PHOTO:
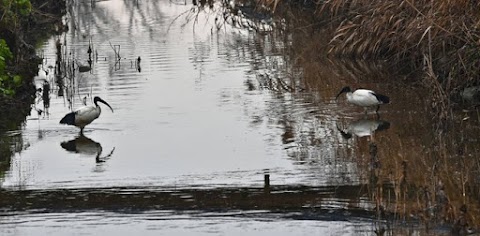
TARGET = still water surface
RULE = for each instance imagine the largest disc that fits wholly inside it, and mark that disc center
(197, 113)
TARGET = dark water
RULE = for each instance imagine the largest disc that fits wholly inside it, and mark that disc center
(213, 132)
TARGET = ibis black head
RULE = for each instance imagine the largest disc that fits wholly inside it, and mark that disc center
(344, 90)
(98, 99)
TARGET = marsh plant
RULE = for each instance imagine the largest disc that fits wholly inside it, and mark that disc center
(437, 39)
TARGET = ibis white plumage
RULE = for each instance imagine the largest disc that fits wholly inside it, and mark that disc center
(364, 98)
(84, 115)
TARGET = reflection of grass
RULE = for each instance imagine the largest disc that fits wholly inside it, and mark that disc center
(433, 180)
(8, 145)
(5, 154)
(419, 171)
(432, 174)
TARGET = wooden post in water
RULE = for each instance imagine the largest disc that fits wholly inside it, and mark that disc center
(266, 183)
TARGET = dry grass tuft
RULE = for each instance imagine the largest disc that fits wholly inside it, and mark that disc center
(439, 38)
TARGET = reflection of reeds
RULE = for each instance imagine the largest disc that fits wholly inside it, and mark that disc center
(10, 143)
(240, 14)
(418, 171)
(66, 66)
(438, 185)
(116, 49)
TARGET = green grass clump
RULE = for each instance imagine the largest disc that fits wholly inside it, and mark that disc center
(8, 82)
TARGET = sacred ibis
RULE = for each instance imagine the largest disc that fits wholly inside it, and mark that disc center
(84, 115)
(364, 98)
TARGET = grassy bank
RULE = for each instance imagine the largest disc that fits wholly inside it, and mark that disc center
(23, 23)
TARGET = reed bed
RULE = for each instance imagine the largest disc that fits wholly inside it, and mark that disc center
(423, 172)
(419, 172)
(440, 39)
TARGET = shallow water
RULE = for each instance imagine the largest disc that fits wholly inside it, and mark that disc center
(202, 117)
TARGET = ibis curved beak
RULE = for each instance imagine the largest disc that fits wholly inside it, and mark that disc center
(338, 95)
(344, 134)
(344, 90)
(103, 101)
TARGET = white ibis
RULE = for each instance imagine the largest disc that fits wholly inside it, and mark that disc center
(364, 98)
(84, 115)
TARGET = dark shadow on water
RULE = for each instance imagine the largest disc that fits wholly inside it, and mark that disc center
(86, 147)
(286, 202)
(317, 202)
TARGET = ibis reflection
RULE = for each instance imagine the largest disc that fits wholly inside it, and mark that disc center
(87, 147)
(363, 128)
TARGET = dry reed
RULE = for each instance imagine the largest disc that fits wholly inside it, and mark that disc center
(439, 38)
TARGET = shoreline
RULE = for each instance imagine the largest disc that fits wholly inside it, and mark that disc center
(44, 20)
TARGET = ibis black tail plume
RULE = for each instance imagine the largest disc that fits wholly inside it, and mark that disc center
(383, 125)
(68, 119)
(384, 99)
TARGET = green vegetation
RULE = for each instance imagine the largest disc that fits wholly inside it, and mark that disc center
(11, 13)
(5, 54)
(12, 10)
(8, 83)
(23, 23)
